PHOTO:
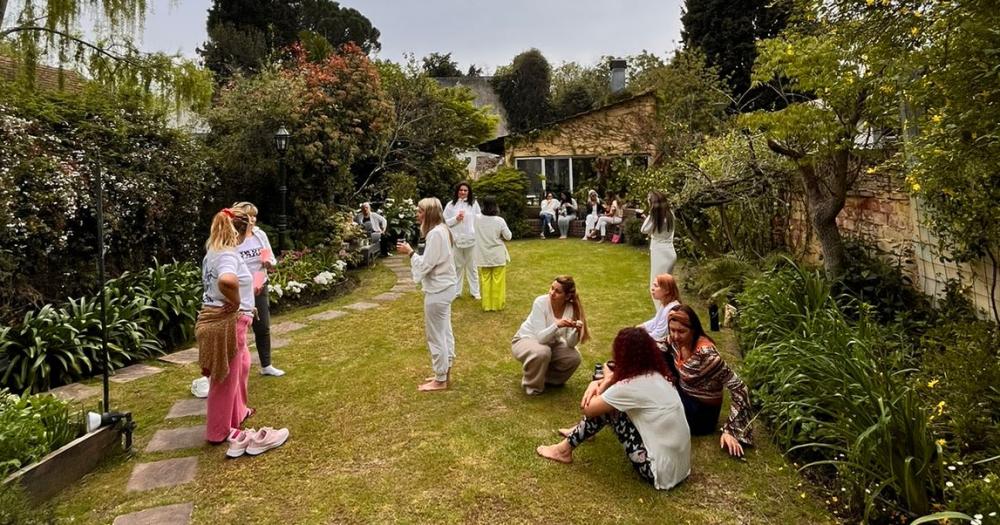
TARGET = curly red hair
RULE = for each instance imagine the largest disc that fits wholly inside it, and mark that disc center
(635, 354)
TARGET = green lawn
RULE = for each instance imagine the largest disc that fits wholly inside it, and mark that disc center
(366, 447)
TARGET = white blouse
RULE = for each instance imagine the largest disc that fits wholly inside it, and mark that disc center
(491, 232)
(550, 206)
(435, 269)
(658, 326)
(663, 236)
(541, 324)
(464, 230)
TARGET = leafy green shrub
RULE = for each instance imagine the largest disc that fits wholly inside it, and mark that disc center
(400, 217)
(31, 427)
(870, 278)
(633, 232)
(836, 393)
(722, 277)
(17, 509)
(510, 187)
(305, 276)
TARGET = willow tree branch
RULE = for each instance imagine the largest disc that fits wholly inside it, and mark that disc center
(97, 49)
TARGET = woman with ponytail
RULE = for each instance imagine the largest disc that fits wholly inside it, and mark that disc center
(221, 330)
(641, 404)
(546, 342)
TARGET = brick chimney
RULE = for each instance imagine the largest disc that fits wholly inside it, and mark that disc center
(618, 75)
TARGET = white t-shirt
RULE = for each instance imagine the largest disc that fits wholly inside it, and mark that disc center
(216, 264)
(435, 269)
(249, 251)
(464, 231)
(655, 408)
(541, 324)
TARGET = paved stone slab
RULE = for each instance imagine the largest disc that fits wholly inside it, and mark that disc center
(177, 438)
(279, 343)
(166, 473)
(179, 514)
(137, 371)
(184, 357)
(388, 296)
(285, 327)
(362, 306)
(328, 315)
(186, 408)
(75, 392)
(254, 358)
(402, 288)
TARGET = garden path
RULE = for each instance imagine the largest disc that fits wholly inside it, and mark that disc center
(366, 447)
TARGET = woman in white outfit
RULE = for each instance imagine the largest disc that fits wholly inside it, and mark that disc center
(435, 271)
(612, 215)
(460, 214)
(548, 209)
(567, 213)
(594, 212)
(659, 225)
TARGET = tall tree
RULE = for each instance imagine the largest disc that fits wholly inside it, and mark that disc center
(440, 65)
(577, 88)
(727, 32)
(524, 90)
(242, 34)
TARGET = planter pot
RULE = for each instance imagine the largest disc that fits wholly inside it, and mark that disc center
(65, 466)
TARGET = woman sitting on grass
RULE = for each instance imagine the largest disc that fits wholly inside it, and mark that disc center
(667, 297)
(703, 376)
(643, 408)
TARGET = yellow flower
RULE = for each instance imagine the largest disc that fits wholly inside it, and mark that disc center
(941, 442)
(914, 31)
(933, 383)
(870, 171)
(940, 406)
(936, 119)
(915, 187)
(789, 50)
(870, 2)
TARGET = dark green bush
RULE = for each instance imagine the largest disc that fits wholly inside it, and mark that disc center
(510, 187)
(17, 509)
(31, 427)
(875, 277)
(633, 232)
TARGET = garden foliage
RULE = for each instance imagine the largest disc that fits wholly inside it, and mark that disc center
(509, 186)
(31, 426)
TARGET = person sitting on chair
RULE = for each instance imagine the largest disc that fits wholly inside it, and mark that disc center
(373, 223)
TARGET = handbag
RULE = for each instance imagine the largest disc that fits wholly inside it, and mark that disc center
(616, 238)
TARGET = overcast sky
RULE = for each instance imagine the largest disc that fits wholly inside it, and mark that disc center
(487, 33)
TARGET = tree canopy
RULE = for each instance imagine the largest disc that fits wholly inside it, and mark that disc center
(440, 65)
(523, 88)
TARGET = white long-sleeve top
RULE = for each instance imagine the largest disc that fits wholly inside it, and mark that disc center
(658, 326)
(435, 269)
(549, 206)
(663, 236)
(491, 232)
(464, 230)
(541, 324)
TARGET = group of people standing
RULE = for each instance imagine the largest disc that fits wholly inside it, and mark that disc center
(664, 383)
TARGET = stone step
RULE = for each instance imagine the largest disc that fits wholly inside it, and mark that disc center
(328, 315)
(184, 357)
(136, 371)
(75, 392)
(178, 514)
(177, 438)
(187, 408)
(361, 305)
(286, 327)
(166, 473)
(387, 296)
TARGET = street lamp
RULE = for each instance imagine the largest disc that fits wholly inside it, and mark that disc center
(281, 140)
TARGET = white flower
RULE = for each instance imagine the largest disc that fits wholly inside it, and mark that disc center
(401, 215)
(949, 484)
(295, 287)
(323, 278)
(275, 289)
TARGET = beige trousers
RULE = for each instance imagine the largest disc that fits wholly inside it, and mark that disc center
(544, 364)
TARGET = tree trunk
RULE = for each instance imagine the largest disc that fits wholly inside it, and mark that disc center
(826, 198)
(3, 11)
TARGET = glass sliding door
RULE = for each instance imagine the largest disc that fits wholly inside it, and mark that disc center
(533, 169)
(557, 175)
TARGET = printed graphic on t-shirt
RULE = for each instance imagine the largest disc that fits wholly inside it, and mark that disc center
(252, 253)
(208, 276)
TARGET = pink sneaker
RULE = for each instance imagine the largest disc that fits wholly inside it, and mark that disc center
(239, 440)
(265, 439)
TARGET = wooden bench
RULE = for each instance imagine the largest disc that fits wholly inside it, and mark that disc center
(577, 226)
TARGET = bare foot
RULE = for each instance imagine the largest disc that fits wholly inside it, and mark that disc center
(560, 453)
(433, 386)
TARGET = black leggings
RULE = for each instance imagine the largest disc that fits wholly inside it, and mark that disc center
(262, 328)
(702, 418)
(627, 434)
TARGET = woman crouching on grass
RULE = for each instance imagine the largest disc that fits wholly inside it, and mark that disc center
(221, 330)
(643, 408)
(703, 376)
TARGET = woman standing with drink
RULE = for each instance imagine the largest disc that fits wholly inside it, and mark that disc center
(659, 225)
(255, 250)
(460, 215)
(492, 256)
(435, 271)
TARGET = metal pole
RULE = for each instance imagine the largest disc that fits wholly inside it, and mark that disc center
(101, 282)
(283, 190)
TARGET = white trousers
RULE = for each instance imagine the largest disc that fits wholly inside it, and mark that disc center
(465, 267)
(591, 223)
(437, 325)
(603, 222)
(662, 257)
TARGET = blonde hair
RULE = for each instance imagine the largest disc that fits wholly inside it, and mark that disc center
(669, 285)
(573, 298)
(248, 207)
(229, 227)
(433, 214)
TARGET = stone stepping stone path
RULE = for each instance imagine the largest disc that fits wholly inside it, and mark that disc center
(75, 392)
(137, 371)
(179, 514)
(166, 473)
(177, 471)
(176, 439)
(184, 357)
(286, 327)
(188, 408)
(328, 315)
(362, 306)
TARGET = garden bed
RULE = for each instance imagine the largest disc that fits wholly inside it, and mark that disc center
(57, 470)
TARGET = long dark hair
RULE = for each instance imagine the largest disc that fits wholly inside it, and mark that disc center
(635, 354)
(471, 199)
(686, 316)
(659, 210)
(490, 206)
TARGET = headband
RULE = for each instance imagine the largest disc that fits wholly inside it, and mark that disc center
(228, 212)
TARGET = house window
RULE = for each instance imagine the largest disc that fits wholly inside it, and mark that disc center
(533, 168)
(558, 176)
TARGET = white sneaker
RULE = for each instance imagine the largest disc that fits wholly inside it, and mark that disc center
(270, 370)
(265, 439)
(199, 387)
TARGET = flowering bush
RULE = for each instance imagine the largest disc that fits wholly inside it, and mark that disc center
(304, 275)
(400, 216)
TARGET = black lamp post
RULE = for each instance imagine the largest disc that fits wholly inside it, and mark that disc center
(281, 139)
